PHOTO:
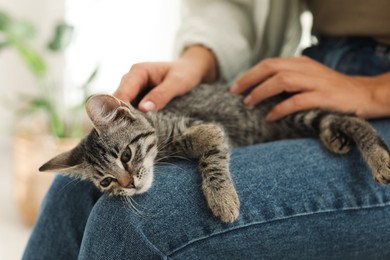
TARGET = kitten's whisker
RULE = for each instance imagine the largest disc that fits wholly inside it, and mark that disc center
(166, 142)
(171, 164)
(144, 214)
(181, 157)
(135, 202)
(163, 145)
(128, 206)
(132, 206)
(173, 155)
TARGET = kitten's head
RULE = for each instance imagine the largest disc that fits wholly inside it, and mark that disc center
(117, 155)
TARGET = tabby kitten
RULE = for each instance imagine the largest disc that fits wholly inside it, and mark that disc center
(118, 155)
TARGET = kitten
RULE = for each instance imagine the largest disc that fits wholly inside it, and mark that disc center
(118, 155)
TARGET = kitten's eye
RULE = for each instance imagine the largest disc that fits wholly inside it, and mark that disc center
(126, 155)
(106, 182)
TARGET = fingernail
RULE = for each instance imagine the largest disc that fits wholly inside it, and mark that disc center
(270, 116)
(149, 106)
(234, 89)
(248, 100)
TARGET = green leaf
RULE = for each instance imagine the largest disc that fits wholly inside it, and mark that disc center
(62, 37)
(5, 20)
(4, 44)
(57, 125)
(21, 30)
(40, 103)
(91, 78)
(31, 104)
(33, 59)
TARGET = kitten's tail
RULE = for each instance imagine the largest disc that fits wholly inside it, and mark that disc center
(337, 131)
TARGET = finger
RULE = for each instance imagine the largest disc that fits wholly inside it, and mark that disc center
(282, 82)
(141, 75)
(131, 84)
(128, 92)
(252, 77)
(296, 103)
(271, 66)
(159, 96)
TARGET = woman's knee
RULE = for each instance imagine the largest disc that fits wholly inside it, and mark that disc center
(115, 229)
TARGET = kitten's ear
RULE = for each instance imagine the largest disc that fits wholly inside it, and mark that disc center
(68, 163)
(104, 109)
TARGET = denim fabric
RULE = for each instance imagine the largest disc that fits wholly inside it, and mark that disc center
(352, 55)
(298, 201)
(63, 215)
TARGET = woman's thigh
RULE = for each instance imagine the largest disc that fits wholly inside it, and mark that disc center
(63, 215)
(298, 201)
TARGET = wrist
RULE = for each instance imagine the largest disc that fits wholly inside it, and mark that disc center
(203, 61)
(379, 95)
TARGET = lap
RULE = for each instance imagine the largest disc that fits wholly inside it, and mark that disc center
(296, 198)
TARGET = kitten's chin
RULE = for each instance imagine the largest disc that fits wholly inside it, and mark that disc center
(146, 184)
(140, 187)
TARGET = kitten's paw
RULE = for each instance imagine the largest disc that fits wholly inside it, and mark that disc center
(335, 141)
(223, 202)
(380, 164)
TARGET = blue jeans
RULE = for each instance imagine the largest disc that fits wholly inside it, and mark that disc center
(298, 201)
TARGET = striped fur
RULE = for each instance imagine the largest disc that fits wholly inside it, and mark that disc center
(202, 125)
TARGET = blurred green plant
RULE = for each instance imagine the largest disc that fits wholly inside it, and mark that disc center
(18, 34)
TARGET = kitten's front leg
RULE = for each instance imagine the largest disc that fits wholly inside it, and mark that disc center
(208, 143)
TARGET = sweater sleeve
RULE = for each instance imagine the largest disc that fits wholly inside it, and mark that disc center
(224, 26)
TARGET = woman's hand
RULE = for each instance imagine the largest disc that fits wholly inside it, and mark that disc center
(168, 79)
(315, 86)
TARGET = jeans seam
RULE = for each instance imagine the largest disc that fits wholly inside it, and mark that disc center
(151, 245)
(382, 205)
(148, 242)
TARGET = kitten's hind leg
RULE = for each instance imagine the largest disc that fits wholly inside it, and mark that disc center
(380, 161)
(207, 142)
(344, 129)
(335, 140)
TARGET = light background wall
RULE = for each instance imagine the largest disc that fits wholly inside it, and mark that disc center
(115, 35)
(14, 75)
(111, 34)
(16, 78)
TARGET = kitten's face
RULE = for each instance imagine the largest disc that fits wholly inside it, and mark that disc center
(121, 160)
(118, 154)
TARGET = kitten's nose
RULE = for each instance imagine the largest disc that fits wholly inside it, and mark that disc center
(126, 181)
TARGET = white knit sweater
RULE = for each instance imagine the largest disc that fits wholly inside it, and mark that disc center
(240, 32)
